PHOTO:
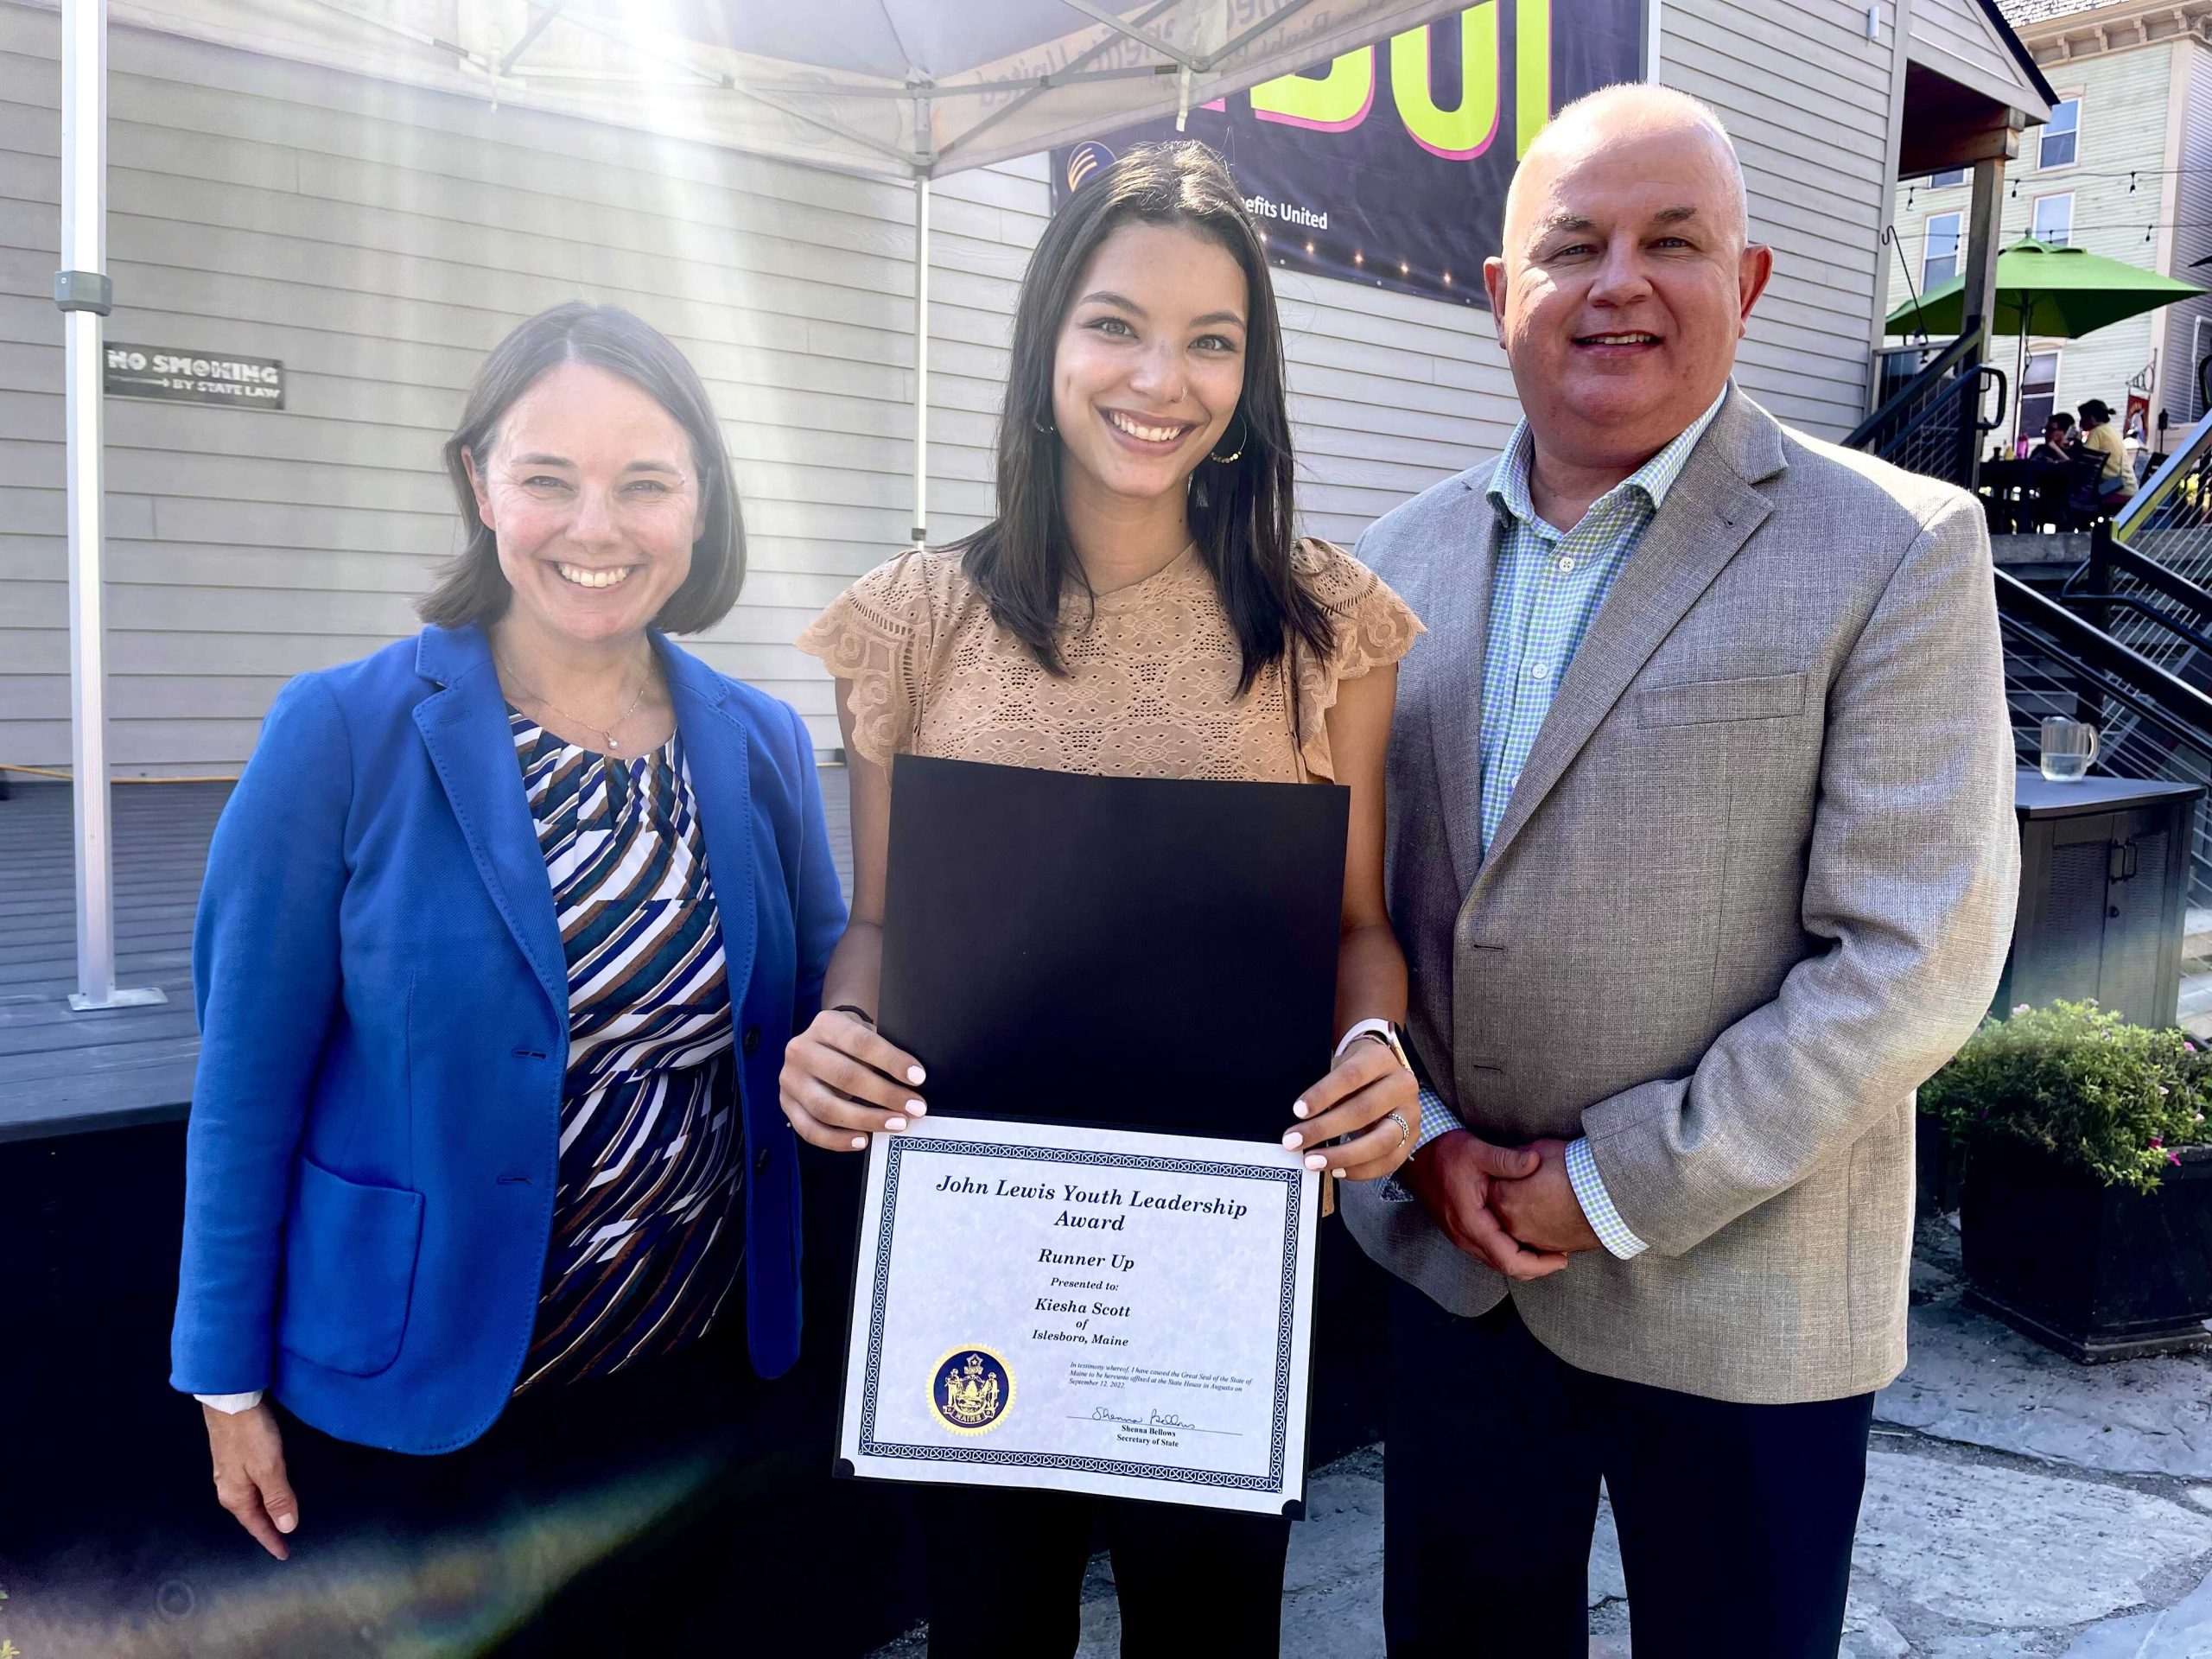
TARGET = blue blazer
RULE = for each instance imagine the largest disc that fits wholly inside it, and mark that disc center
(383, 1014)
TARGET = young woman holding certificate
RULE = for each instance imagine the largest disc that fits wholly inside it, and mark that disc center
(1139, 609)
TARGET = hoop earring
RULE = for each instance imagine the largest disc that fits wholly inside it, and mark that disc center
(1239, 453)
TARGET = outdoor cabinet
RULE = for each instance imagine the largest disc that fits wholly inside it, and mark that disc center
(2104, 891)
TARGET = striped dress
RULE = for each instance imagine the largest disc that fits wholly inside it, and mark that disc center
(648, 1234)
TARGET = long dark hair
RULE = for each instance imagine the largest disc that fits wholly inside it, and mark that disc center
(472, 587)
(1240, 510)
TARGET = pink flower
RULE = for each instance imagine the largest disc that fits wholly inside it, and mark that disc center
(2174, 1158)
(2162, 1088)
(2019, 1008)
(2190, 1047)
(2157, 1140)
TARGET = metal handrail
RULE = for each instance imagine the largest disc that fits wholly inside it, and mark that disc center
(1965, 386)
(1915, 391)
(2118, 690)
(2146, 500)
(2107, 556)
(2130, 674)
(2143, 608)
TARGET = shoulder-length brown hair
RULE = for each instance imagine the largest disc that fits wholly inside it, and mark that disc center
(1240, 509)
(472, 587)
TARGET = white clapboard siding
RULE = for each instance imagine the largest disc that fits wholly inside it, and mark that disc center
(1956, 40)
(1806, 97)
(2186, 343)
(379, 240)
(2125, 97)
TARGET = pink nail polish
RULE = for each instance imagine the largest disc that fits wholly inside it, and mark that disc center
(1314, 1161)
(1299, 1109)
(894, 1124)
(858, 1141)
(916, 1109)
(1293, 1139)
(915, 1074)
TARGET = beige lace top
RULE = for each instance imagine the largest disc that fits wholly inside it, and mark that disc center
(1151, 686)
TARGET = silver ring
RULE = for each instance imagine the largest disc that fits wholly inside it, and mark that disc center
(1405, 1129)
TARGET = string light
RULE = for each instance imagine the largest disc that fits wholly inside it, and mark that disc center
(2088, 172)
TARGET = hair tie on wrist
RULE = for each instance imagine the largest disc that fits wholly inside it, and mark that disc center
(861, 1014)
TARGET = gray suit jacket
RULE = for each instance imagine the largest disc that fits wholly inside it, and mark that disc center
(1755, 885)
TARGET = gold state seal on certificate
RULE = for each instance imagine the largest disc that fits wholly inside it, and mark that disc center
(973, 1390)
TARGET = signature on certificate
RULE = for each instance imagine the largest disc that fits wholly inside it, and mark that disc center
(1161, 1420)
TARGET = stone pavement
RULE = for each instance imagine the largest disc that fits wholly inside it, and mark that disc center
(2017, 1506)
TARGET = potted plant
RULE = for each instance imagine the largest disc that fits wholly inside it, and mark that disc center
(2086, 1213)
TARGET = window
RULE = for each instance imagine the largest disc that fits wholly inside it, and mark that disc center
(1940, 180)
(1942, 263)
(2053, 223)
(2038, 396)
(2061, 139)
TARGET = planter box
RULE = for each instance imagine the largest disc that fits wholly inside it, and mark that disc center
(1936, 1168)
(2096, 1272)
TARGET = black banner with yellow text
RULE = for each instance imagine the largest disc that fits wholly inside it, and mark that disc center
(1388, 165)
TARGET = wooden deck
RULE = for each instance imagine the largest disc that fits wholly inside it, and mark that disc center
(62, 1072)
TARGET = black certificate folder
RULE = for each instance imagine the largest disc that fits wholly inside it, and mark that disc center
(1133, 952)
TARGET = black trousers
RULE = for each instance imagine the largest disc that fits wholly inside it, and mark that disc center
(1005, 1575)
(716, 1483)
(1735, 1521)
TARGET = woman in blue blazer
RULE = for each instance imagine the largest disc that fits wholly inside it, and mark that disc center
(503, 933)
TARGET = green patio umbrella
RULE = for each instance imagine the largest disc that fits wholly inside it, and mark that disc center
(2055, 293)
(2060, 293)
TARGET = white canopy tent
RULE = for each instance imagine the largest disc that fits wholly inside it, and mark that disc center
(899, 89)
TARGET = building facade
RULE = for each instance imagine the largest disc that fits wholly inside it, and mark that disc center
(2124, 169)
(377, 238)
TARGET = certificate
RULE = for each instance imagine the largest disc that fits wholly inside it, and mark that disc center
(1085, 1310)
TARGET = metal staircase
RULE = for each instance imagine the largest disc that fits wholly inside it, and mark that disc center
(1936, 423)
(2125, 641)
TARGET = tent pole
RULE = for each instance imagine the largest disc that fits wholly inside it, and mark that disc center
(921, 360)
(82, 291)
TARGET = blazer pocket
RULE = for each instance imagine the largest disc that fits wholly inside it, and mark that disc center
(1698, 702)
(349, 1271)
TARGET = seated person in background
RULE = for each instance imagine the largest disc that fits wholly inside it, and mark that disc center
(2099, 435)
(2060, 445)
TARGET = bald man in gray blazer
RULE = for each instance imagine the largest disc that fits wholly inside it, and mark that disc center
(1702, 853)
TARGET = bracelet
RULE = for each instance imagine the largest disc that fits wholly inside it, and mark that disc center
(1382, 1031)
(861, 1014)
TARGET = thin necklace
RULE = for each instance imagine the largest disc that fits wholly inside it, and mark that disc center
(607, 731)
(1181, 554)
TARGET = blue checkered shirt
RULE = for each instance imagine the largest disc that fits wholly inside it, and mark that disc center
(1545, 591)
